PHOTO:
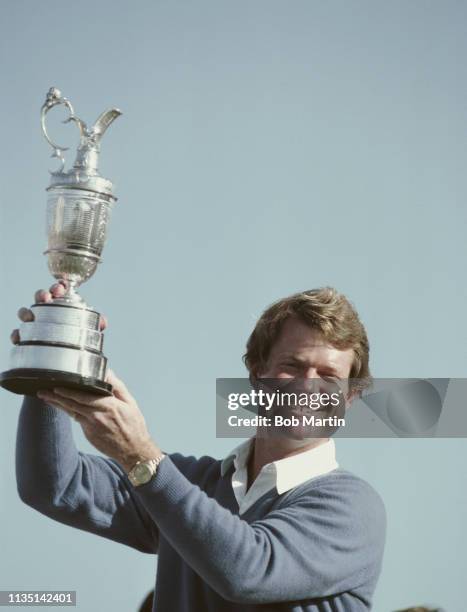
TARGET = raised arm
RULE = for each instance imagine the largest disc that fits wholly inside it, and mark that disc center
(86, 491)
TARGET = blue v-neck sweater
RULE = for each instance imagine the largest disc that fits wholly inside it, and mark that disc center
(315, 548)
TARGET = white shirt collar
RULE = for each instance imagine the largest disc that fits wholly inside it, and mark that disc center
(240, 452)
(284, 474)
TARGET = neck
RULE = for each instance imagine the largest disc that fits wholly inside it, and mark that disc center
(266, 450)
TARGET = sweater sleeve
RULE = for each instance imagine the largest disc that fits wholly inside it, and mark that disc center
(86, 491)
(323, 541)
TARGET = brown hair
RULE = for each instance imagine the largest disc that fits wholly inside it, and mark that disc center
(323, 309)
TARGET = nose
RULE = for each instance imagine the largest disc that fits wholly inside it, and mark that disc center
(312, 380)
(313, 383)
(311, 372)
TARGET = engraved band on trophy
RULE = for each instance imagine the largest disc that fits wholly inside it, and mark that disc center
(63, 345)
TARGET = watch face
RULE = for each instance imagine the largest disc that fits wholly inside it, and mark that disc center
(142, 473)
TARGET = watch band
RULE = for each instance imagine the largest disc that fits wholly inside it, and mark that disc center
(150, 468)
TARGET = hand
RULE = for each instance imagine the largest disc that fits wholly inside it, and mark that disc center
(114, 425)
(26, 314)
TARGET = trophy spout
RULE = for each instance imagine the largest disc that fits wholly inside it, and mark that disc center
(87, 156)
(104, 121)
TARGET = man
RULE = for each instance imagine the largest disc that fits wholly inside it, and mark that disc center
(276, 525)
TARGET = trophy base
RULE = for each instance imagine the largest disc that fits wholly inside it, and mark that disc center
(28, 381)
(61, 347)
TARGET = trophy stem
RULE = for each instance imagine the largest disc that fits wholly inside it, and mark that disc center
(71, 297)
(71, 292)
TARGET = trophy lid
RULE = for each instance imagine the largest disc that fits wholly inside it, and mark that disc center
(84, 173)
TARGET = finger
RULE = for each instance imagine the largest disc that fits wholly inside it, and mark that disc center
(68, 405)
(57, 290)
(14, 337)
(25, 314)
(49, 399)
(119, 388)
(102, 322)
(86, 400)
(42, 295)
(63, 282)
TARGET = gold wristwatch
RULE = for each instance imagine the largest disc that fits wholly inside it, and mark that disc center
(143, 471)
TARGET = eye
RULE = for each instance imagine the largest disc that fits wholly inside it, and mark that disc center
(330, 377)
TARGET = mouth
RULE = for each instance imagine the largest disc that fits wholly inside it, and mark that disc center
(301, 411)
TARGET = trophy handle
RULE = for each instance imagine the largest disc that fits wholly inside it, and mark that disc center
(55, 98)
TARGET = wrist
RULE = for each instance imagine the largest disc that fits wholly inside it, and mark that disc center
(145, 452)
(143, 471)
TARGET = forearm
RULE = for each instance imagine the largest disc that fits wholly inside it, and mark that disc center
(206, 535)
(81, 490)
(46, 454)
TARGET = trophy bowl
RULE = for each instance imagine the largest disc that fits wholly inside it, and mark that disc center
(76, 229)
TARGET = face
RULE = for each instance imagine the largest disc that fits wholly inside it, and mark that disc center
(302, 353)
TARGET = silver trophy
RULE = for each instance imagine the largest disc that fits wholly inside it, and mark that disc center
(63, 345)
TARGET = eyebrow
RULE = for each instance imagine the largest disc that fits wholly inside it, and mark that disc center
(327, 368)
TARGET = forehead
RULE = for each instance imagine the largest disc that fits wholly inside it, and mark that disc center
(299, 340)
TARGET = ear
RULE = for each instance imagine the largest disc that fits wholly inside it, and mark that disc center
(254, 375)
